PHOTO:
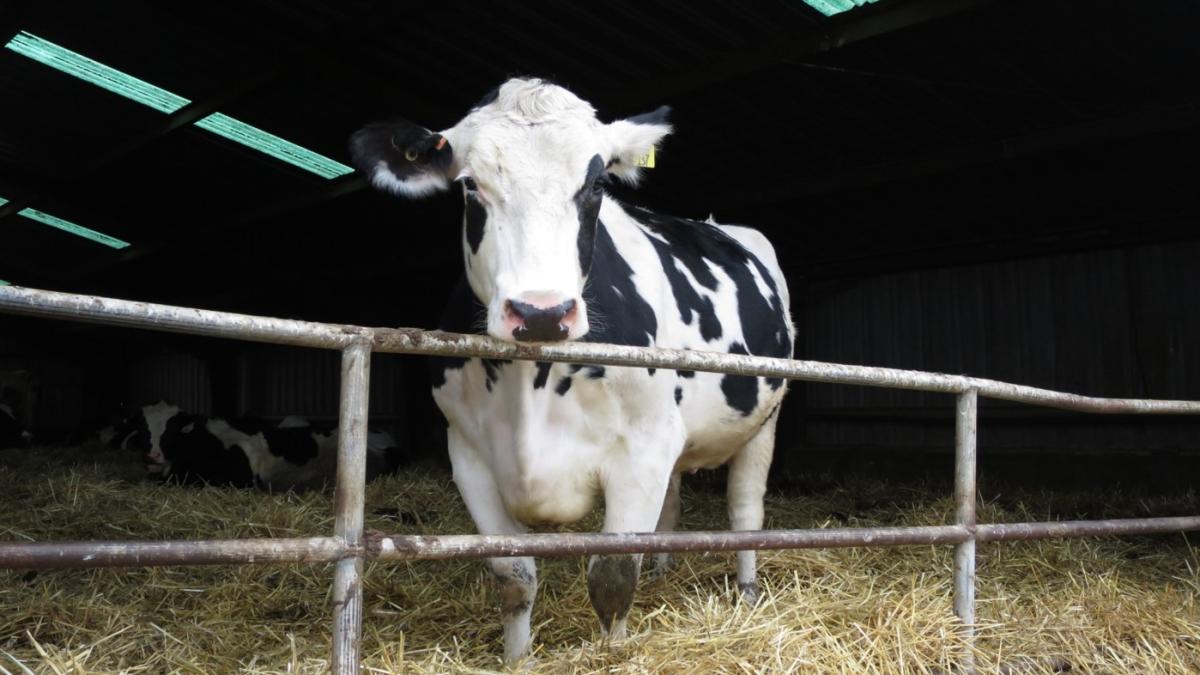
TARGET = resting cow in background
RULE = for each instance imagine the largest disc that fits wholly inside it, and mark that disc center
(199, 450)
(550, 257)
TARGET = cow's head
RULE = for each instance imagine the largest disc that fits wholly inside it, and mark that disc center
(532, 161)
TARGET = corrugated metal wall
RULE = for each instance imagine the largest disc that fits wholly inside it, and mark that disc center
(1106, 323)
(281, 381)
(178, 378)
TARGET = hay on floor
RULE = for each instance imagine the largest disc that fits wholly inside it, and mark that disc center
(1099, 605)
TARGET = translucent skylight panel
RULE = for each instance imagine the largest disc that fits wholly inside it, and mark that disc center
(68, 226)
(831, 7)
(77, 230)
(123, 84)
(270, 144)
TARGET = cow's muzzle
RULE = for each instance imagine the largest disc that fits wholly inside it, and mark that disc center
(533, 323)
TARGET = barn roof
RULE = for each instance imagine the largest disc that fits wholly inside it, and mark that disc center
(900, 134)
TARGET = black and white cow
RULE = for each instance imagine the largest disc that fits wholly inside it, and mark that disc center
(548, 257)
(198, 450)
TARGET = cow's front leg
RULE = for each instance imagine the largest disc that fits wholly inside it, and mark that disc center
(516, 578)
(633, 501)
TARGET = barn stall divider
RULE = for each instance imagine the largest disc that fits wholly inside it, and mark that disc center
(349, 546)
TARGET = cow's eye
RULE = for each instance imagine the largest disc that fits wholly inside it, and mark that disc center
(469, 183)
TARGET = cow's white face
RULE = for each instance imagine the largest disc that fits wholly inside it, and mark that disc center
(532, 161)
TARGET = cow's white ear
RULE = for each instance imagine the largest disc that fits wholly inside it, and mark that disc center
(632, 139)
(403, 158)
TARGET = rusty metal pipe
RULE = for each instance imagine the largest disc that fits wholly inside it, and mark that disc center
(440, 547)
(348, 500)
(172, 319)
(65, 554)
(377, 545)
(416, 341)
(50, 304)
(965, 428)
(1070, 529)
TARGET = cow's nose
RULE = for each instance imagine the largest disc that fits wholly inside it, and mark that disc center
(540, 323)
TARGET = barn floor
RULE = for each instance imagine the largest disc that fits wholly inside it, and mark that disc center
(1099, 606)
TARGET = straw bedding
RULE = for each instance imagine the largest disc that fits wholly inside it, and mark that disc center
(1095, 606)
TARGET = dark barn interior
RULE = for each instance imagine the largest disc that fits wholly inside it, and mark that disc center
(1001, 189)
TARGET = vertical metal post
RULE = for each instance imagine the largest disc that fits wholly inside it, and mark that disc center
(348, 507)
(967, 421)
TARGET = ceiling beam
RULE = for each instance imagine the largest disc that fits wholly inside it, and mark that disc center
(841, 30)
(1093, 132)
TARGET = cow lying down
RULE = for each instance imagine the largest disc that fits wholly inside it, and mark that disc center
(199, 450)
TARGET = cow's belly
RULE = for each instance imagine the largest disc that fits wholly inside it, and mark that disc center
(715, 431)
(549, 453)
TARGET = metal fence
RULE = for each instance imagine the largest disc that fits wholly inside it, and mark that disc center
(348, 547)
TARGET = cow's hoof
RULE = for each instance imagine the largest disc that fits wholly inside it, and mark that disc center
(748, 592)
(611, 583)
(617, 631)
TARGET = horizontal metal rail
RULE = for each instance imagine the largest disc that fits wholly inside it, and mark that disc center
(50, 304)
(380, 546)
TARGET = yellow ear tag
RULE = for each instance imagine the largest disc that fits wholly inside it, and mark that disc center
(646, 161)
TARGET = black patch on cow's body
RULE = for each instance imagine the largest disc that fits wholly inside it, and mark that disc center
(595, 372)
(651, 371)
(295, 444)
(692, 243)
(587, 206)
(543, 374)
(623, 315)
(491, 370)
(198, 457)
(474, 220)
(678, 395)
(686, 373)
(563, 386)
(741, 391)
(460, 316)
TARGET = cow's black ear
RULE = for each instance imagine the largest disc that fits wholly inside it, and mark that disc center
(402, 158)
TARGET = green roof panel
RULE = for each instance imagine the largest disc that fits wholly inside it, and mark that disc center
(831, 7)
(94, 72)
